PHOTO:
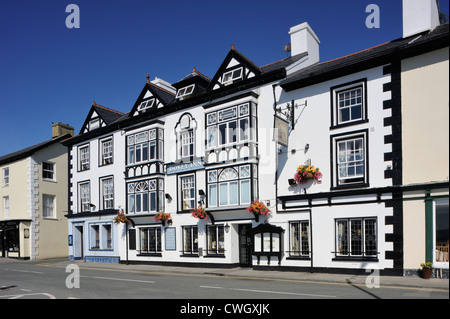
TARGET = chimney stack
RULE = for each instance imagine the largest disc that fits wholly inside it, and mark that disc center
(419, 16)
(303, 39)
(59, 129)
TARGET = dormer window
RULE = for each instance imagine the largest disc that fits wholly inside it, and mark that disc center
(231, 76)
(183, 92)
(93, 124)
(146, 105)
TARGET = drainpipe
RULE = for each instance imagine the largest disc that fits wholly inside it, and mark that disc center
(311, 236)
(276, 152)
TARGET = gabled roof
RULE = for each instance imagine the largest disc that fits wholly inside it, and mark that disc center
(232, 61)
(28, 151)
(104, 114)
(152, 91)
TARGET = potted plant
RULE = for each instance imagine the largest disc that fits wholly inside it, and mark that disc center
(199, 213)
(162, 217)
(427, 270)
(121, 218)
(258, 208)
(306, 173)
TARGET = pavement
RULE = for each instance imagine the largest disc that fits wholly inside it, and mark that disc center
(368, 280)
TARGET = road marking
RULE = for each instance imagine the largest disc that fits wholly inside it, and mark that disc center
(28, 271)
(121, 279)
(23, 295)
(270, 292)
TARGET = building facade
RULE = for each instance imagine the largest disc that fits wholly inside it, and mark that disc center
(33, 194)
(318, 144)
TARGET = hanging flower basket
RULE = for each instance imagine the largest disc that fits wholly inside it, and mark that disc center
(162, 217)
(306, 173)
(258, 208)
(199, 213)
(121, 218)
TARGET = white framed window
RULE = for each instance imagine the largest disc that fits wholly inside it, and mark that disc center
(229, 126)
(95, 237)
(48, 202)
(6, 176)
(84, 195)
(107, 193)
(183, 92)
(356, 237)
(441, 233)
(94, 124)
(350, 159)
(106, 151)
(145, 196)
(231, 76)
(187, 192)
(48, 171)
(145, 146)
(146, 105)
(6, 206)
(187, 143)
(84, 157)
(349, 103)
(231, 186)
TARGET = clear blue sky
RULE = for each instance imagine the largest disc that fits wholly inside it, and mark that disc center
(49, 73)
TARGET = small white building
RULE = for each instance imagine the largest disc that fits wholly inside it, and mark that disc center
(223, 143)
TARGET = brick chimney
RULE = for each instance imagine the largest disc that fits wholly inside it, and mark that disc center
(59, 129)
(419, 16)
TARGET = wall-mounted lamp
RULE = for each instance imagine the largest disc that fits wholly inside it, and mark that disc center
(168, 197)
(201, 192)
(170, 222)
(227, 228)
(26, 233)
(92, 206)
(306, 147)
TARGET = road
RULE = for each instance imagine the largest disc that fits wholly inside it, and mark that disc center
(39, 280)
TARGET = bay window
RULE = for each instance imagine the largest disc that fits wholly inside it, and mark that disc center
(231, 186)
(145, 196)
(231, 125)
(145, 146)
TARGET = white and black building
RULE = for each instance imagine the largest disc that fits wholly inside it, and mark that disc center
(211, 142)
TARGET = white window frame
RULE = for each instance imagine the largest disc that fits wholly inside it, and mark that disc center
(6, 206)
(50, 171)
(107, 151)
(146, 104)
(351, 152)
(349, 102)
(139, 190)
(85, 201)
(84, 157)
(107, 192)
(230, 76)
(6, 176)
(187, 183)
(48, 206)
(185, 91)
(438, 264)
(187, 143)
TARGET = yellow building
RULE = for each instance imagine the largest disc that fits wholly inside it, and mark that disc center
(425, 168)
(33, 199)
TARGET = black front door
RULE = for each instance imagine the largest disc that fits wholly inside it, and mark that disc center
(245, 245)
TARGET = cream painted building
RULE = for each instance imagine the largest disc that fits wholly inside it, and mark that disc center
(425, 169)
(33, 199)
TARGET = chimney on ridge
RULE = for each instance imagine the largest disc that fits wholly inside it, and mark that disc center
(59, 129)
(303, 39)
(419, 16)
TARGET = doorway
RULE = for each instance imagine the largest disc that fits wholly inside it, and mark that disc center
(78, 243)
(245, 245)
